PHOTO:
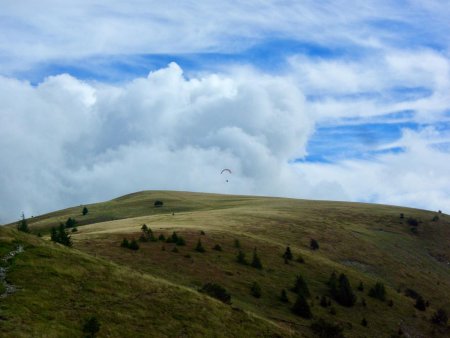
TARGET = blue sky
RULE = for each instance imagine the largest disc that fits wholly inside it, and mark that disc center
(303, 99)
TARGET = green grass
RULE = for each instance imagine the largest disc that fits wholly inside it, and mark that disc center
(367, 242)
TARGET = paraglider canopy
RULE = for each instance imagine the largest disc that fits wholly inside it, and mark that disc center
(225, 171)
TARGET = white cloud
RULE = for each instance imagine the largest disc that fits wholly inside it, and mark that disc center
(69, 142)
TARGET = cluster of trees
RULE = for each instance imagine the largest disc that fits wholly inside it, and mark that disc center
(256, 261)
(60, 235)
(132, 245)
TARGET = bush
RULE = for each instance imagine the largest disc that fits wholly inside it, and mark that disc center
(74, 229)
(324, 329)
(378, 291)
(199, 247)
(301, 307)
(217, 247)
(364, 322)
(361, 286)
(241, 258)
(402, 215)
(300, 287)
(440, 317)
(216, 291)
(158, 204)
(85, 211)
(202, 233)
(91, 326)
(284, 297)
(314, 244)
(435, 218)
(256, 262)
(288, 254)
(125, 243)
(180, 241)
(420, 304)
(255, 290)
(413, 222)
(71, 222)
(411, 293)
(133, 245)
(162, 237)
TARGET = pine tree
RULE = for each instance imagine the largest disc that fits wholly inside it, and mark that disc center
(333, 285)
(85, 211)
(241, 258)
(364, 322)
(23, 224)
(125, 243)
(256, 262)
(284, 297)
(255, 290)
(301, 307)
(91, 327)
(420, 304)
(199, 247)
(133, 245)
(63, 236)
(345, 295)
(288, 254)
(378, 291)
(162, 237)
(300, 287)
(314, 244)
(71, 222)
(54, 235)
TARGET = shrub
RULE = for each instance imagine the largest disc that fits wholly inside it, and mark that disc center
(180, 241)
(85, 211)
(125, 243)
(300, 287)
(288, 254)
(162, 237)
(91, 326)
(364, 322)
(199, 247)
(435, 218)
(133, 245)
(411, 293)
(202, 233)
(173, 238)
(71, 222)
(440, 317)
(255, 290)
(361, 286)
(284, 297)
(344, 294)
(301, 307)
(390, 303)
(158, 204)
(217, 247)
(378, 291)
(324, 329)
(241, 258)
(217, 291)
(256, 262)
(413, 222)
(420, 304)
(402, 215)
(74, 229)
(300, 259)
(314, 244)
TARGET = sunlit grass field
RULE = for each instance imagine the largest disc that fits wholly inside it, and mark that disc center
(367, 242)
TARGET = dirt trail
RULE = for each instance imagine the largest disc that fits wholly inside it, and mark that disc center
(9, 288)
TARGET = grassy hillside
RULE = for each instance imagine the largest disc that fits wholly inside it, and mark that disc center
(58, 288)
(369, 243)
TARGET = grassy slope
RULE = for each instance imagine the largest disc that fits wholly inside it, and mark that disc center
(60, 287)
(367, 242)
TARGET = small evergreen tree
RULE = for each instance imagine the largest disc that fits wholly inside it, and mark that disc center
(256, 262)
(314, 244)
(364, 322)
(333, 285)
(361, 286)
(300, 287)
(378, 291)
(345, 295)
(217, 291)
(420, 304)
(180, 241)
(301, 307)
(199, 247)
(288, 254)
(217, 247)
(158, 204)
(85, 211)
(91, 327)
(125, 243)
(54, 235)
(284, 297)
(23, 224)
(134, 245)
(61, 236)
(440, 317)
(255, 290)
(71, 222)
(324, 329)
(237, 244)
(241, 258)
(162, 237)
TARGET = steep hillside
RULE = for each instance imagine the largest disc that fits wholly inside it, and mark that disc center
(405, 249)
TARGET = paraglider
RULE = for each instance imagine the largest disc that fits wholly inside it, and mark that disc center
(226, 171)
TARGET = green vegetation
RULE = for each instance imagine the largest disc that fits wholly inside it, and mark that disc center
(378, 291)
(61, 236)
(256, 262)
(301, 307)
(85, 211)
(23, 224)
(366, 243)
(255, 290)
(199, 247)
